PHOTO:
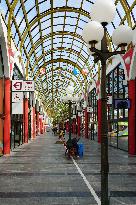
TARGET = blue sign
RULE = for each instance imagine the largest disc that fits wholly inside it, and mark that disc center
(121, 104)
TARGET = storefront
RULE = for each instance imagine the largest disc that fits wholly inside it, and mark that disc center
(117, 115)
(1, 101)
(92, 115)
(29, 118)
(16, 119)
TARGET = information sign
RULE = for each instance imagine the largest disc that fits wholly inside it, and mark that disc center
(28, 86)
(17, 96)
(23, 86)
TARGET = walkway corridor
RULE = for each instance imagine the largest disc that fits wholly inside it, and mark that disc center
(39, 174)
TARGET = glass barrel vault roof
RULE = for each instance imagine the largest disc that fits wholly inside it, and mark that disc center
(48, 34)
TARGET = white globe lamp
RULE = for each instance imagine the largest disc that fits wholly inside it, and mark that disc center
(69, 97)
(76, 98)
(122, 36)
(70, 89)
(93, 32)
(103, 11)
(64, 98)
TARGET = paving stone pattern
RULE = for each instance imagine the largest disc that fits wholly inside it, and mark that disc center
(38, 173)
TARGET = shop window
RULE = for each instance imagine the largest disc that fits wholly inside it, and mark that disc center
(92, 116)
(118, 115)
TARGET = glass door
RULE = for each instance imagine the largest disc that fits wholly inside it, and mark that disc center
(117, 117)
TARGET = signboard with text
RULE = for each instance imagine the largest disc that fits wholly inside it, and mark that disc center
(89, 109)
(80, 114)
(23, 86)
(28, 86)
(109, 99)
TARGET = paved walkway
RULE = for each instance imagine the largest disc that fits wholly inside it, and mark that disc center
(39, 174)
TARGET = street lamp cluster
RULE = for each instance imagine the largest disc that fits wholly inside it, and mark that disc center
(95, 35)
(103, 13)
(70, 99)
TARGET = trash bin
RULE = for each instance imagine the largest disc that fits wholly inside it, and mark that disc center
(80, 149)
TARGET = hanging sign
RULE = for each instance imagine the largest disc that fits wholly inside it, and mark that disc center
(89, 109)
(84, 104)
(109, 99)
(75, 71)
(23, 86)
(80, 114)
(84, 71)
(40, 116)
(28, 86)
(42, 71)
(17, 96)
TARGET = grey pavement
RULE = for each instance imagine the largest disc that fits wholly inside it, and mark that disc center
(38, 173)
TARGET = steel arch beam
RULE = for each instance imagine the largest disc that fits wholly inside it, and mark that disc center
(60, 60)
(71, 79)
(71, 50)
(48, 12)
(39, 41)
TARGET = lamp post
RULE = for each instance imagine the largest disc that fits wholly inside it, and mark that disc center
(70, 115)
(70, 99)
(103, 12)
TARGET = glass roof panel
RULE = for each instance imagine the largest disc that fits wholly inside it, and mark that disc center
(22, 26)
(75, 4)
(46, 31)
(57, 28)
(35, 31)
(44, 5)
(18, 6)
(31, 14)
(54, 25)
(29, 5)
(86, 6)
